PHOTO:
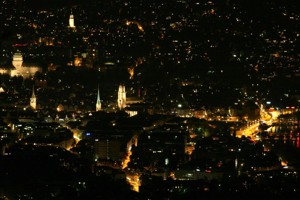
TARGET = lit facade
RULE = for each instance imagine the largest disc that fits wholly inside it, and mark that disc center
(17, 60)
(121, 97)
(21, 69)
(71, 21)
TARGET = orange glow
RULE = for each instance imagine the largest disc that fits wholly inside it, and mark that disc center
(140, 28)
(78, 62)
(284, 163)
(136, 23)
(189, 149)
(131, 69)
(134, 181)
(127, 160)
(76, 136)
(131, 72)
(248, 131)
(133, 178)
(60, 108)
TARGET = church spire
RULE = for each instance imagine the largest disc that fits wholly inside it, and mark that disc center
(33, 94)
(33, 100)
(98, 103)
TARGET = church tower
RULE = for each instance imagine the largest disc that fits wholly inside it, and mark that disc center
(98, 103)
(33, 100)
(121, 97)
(71, 21)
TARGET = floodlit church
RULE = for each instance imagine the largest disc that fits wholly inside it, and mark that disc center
(126, 103)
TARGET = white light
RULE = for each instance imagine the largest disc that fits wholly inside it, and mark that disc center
(166, 161)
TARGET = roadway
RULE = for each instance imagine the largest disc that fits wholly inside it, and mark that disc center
(249, 131)
(252, 130)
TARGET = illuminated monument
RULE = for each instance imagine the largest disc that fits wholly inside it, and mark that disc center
(98, 103)
(121, 97)
(33, 100)
(71, 21)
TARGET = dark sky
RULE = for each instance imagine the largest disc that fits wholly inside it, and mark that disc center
(248, 3)
(54, 3)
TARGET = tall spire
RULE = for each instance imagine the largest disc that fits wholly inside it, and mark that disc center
(33, 100)
(98, 103)
(33, 94)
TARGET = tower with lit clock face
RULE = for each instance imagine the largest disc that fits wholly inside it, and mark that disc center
(33, 100)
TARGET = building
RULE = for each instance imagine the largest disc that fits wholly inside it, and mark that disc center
(6, 69)
(71, 21)
(20, 68)
(109, 149)
(121, 97)
(17, 60)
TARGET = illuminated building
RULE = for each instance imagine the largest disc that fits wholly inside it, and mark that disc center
(71, 21)
(133, 105)
(17, 60)
(33, 100)
(25, 70)
(98, 103)
(121, 97)
(6, 69)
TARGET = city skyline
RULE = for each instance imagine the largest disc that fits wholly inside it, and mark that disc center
(149, 99)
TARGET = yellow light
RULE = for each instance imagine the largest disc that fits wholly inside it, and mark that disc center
(140, 28)
(131, 72)
(127, 160)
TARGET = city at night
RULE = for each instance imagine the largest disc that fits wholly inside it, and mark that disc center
(140, 99)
